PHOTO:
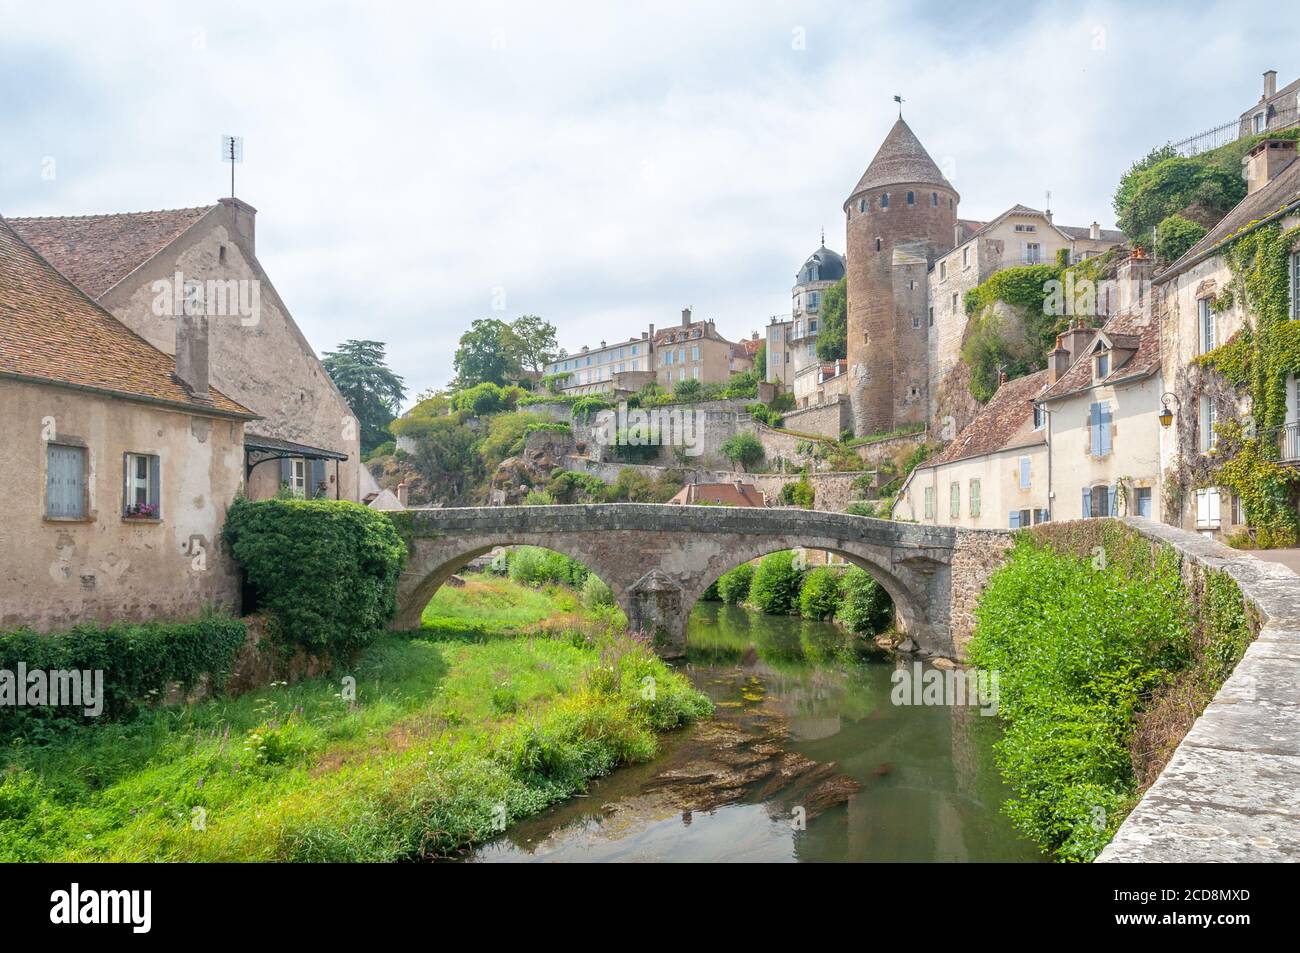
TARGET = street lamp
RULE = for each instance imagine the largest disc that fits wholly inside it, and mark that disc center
(1166, 415)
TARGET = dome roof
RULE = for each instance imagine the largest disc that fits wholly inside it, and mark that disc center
(822, 265)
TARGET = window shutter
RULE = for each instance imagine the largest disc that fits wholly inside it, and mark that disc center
(65, 480)
(155, 485)
(1087, 502)
(317, 478)
(126, 482)
(1094, 430)
(1103, 414)
(1111, 511)
(286, 471)
(1013, 520)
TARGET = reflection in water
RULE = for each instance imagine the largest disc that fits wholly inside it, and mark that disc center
(804, 727)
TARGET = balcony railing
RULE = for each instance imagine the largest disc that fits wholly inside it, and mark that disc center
(1291, 441)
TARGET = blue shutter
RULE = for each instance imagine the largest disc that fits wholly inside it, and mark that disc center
(155, 485)
(1024, 473)
(1104, 414)
(126, 478)
(1087, 502)
(1112, 511)
(1094, 430)
(1014, 519)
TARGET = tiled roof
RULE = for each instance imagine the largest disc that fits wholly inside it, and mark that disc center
(95, 252)
(50, 330)
(1006, 421)
(900, 159)
(1107, 234)
(1277, 194)
(1132, 330)
(1070, 231)
(675, 333)
(731, 494)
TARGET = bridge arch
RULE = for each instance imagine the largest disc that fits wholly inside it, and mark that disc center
(658, 559)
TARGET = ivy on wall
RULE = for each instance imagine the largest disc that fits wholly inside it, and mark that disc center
(1258, 361)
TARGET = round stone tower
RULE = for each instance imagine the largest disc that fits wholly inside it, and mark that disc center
(899, 219)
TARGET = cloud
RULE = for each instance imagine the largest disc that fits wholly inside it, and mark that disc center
(604, 167)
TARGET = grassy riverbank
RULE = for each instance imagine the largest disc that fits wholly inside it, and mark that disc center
(508, 699)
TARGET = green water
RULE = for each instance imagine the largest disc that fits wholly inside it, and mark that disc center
(804, 726)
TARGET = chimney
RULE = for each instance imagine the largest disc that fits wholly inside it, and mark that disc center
(956, 234)
(686, 317)
(1266, 160)
(1270, 83)
(1094, 232)
(245, 218)
(1058, 362)
(1133, 280)
(192, 353)
(1075, 341)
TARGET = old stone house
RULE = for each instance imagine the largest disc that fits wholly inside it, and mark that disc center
(694, 350)
(120, 460)
(1198, 313)
(623, 367)
(146, 268)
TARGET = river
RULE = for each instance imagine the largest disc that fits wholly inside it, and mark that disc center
(806, 759)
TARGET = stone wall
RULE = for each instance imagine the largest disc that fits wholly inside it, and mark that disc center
(975, 556)
(827, 419)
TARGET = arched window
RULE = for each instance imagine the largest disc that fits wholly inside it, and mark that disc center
(862, 205)
(934, 199)
(884, 200)
(911, 198)
(950, 203)
(877, 244)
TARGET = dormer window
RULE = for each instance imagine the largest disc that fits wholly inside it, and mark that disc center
(1103, 365)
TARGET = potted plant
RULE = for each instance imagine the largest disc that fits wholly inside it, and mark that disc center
(142, 511)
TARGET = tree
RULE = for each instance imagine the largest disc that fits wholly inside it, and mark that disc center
(1174, 235)
(488, 353)
(1174, 186)
(535, 342)
(446, 458)
(833, 337)
(743, 449)
(372, 390)
(760, 362)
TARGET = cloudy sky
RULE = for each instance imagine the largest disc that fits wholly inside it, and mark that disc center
(416, 166)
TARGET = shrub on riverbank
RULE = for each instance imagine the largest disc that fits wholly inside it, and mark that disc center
(595, 593)
(1104, 657)
(733, 585)
(865, 606)
(775, 589)
(139, 662)
(325, 569)
(534, 566)
(820, 596)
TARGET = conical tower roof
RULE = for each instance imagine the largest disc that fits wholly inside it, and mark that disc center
(901, 158)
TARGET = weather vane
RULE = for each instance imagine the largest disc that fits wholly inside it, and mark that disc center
(899, 100)
(232, 151)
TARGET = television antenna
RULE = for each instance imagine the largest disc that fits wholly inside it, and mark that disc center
(232, 151)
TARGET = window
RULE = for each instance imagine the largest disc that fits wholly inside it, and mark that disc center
(1205, 325)
(954, 499)
(1024, 473)
(1103, 365)
(65, 481)
(140, 485)
(911, 198)
(943, 271)
(1098, 501)
(695, 352)
(862, 205)
(1259, 122)
(1099, 428)
(1142, 501)
(1295, 283)
(1040, 416)
(954, 302)
(1020, 518)
(1033, 252)
(298, 477)
(916, 321)
(1238, 510)
(884, 200)
(1041, 516)
(1026, 228)
(932, 317)
(974, 497)
(965, 257)
(814, 301)
(934, 199)
(929, 502)
(695, 372)
(1207, 508)
(670, 377)
(877, 244)
(1209, 418)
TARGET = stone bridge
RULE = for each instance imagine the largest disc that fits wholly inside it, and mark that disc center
(658, 559)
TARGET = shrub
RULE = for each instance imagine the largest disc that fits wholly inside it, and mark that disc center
(595, 593)
(820, 596)
(743, 449)
(326, 569)
(534, 566)
(711, 594)
(1174, 235)
(799, 494)
(139, 662)
(688, 390)
(538, 498)
(864, 605)
(482, 399)
(775, 589)
(568, 486)
(733, 585)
